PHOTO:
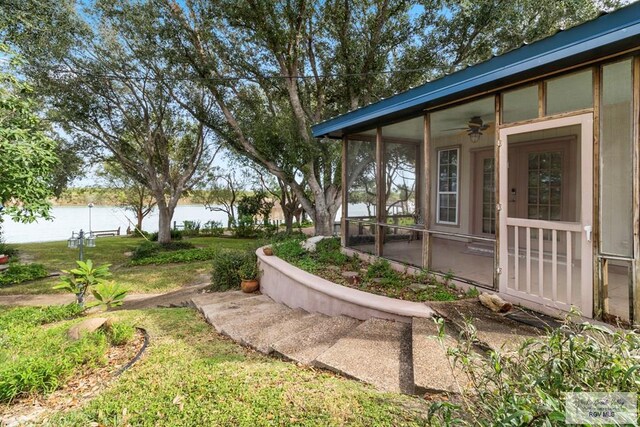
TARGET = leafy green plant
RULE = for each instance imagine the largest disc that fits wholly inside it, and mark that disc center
(381, 269)
(175, 235)
(80, 279)
(108, 294)
(249, 269)
(328, 252)
(289, 250)
(181, 256)
(145, 250)
(226, 265)
(214, 228)
(18, 273)
(528, 386)
(120, 333)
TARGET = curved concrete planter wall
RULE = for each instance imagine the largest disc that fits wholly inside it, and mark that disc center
(296, 288)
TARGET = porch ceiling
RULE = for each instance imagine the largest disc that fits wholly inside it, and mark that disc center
(608, 34)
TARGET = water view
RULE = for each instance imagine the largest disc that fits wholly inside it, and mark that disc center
(73, 218)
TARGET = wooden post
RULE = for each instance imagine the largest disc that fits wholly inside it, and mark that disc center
(541, 99)
(598, 279)
(634, 298)
(344, 238)
(380, 192)
(426, 193)
(496, 171)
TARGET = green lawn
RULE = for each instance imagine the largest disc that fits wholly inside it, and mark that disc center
(140, 279)
(191, 376)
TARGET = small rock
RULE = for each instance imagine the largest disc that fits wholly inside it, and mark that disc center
(89, 325)
(267, 250)
(377, 280)
(333, 268)
(310, 244)
(352, 277)
(128, 254)
(417, 287)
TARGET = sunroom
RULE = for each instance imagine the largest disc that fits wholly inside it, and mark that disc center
(518, 175)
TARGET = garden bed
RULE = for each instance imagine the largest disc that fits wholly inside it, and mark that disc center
(328, 262)
(43, 370)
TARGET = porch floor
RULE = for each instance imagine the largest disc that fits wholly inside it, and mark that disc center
(474, 262)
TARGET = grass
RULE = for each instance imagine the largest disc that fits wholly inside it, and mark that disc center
(36, 359)
(55, 256)
(191, 376)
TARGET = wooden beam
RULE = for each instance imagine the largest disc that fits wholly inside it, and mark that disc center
(634, 297)
(426, 194)
(541, 98)
(496, 171)
(380, 192)
(345, 192)
(598, 279)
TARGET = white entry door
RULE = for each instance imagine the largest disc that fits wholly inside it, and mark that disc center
(546, 188)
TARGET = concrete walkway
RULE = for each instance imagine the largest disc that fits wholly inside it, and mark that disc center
(179, 297)
(392, 356)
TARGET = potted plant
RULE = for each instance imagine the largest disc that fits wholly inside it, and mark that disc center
(248, 273)
(4, 259)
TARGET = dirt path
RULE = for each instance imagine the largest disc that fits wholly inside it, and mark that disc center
(56, 299)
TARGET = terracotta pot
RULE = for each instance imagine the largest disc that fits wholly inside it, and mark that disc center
(268, 251)
(249, 286)
(4, 259)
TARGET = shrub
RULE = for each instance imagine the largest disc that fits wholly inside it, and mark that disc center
(145, 250)
(176, 246)
(175, 235)
(286, 235)
(18, 273)
(328, 252)
(170, 257)
(7, 250)
(214, 228)
(289, 250)
(120, 333)
(151, 249)
(381, 269)
(528, 387)
(226, 265)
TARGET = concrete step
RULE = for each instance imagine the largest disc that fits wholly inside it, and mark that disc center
(432, 370)
(305, 346)
(220, 314)
(208, 298)
(246, 328)
(493, 331)
(377, 352)
(299, 321)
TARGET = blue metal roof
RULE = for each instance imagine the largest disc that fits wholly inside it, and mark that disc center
(607, 34)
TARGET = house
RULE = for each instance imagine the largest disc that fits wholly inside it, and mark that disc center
(519, 174)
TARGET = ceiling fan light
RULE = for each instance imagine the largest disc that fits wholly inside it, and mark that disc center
(475, 137)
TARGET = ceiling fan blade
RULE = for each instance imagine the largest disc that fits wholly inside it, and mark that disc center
(443, 130)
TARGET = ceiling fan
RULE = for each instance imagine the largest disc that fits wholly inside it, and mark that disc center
(474, 128)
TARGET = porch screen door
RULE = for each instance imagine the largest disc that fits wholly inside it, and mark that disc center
(546, 187)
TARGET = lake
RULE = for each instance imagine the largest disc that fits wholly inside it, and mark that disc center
(73, 218)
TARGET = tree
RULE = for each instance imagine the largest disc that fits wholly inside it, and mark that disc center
(110, 91)
(221, 192)
(27, 158)
(130, 194)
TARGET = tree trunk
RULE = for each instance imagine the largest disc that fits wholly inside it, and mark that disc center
(139, 217)
(164, 224)
(323, 220)
(288, 220)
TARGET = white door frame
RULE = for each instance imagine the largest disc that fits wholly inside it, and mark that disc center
(586, 210)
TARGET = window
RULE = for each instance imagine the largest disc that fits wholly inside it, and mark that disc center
(447, 203)
(570, 93)
(520, 104)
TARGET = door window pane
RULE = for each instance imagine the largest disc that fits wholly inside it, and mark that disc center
(448, 186)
